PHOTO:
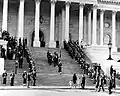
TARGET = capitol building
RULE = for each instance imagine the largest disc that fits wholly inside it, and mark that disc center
(52, 21)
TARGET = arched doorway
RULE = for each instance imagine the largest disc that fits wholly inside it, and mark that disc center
(107, 38)
(41, 38)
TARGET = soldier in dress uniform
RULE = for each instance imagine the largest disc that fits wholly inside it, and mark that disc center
(83, 82)
(4, 75)
(28, 79)
(60, 67)
(16, 66)
(12, 76)
(101, 85)
(20, 61)
(34, 77)
(97, 82)
(109, 85)
(111, 70)
(24, 78)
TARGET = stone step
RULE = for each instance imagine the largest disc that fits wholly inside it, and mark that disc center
(47, 80)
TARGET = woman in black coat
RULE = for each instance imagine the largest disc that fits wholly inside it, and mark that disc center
(4, 75)
(74, 79)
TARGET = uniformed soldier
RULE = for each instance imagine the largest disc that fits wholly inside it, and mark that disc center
(101, 85)
(34, 77)
(16, 66)
(12, 76)
(20, 61)
(83, 82)
(28, 79)
(60, 67)
(109, 85)
(24, 78)
(4, 75)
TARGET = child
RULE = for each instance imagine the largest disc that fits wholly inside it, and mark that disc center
(70, 83)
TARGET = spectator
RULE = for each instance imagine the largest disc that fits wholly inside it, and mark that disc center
(74, 80)
(4, 75)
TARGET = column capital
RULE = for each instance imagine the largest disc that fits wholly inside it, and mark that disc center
(114, 12)
(95, 5)
(67, 2)
(102, 11)
(37, 1)
(53, 1)
(81, 4)
(22, 0)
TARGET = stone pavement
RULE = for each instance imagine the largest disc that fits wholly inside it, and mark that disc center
(49, 91)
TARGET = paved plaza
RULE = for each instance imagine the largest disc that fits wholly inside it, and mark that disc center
(56, 92)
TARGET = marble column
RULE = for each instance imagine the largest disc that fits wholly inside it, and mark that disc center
(67, 13)
(21, 19)
(52, 43)
(114, 29)
(63, 24)
(94, 29)
(89, 27)
(5, 15)
(80, 22)
(101, 26)
(36, 42)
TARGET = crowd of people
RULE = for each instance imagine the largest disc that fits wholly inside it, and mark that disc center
(55, 60)
(18, 50)
(94, 72)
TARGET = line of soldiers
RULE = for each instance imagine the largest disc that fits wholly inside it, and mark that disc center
(77, 53)
(55, 59)
(95, 73)
(28, 77)
(32, 69)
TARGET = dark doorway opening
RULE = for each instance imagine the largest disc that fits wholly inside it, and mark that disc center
(41, 38)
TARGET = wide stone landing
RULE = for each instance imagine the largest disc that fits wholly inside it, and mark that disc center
(100, 54)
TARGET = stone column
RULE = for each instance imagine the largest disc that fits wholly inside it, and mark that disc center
(67, 7)
(114, 29)
(36, 42)
(89, 27)
(80, 22)
(5, 15)
(63, 24)
(101, 26)
(21, 20)
(52, 43)
(94, 29)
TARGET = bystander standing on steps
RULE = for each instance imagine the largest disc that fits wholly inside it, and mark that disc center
(74, 80)
(4, 75)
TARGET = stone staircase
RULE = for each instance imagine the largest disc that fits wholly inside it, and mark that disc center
(46, 75)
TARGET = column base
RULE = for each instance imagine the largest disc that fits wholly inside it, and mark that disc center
(36, 43)
(52, 44)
